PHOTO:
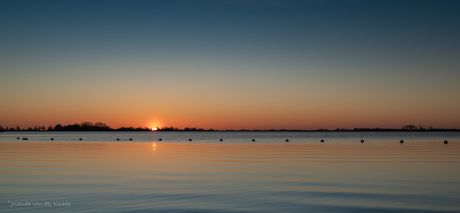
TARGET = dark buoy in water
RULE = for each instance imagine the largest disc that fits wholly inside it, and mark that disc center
(52, 139)
(253, 140)
(25, 138)
(362, 141)
(80, 139)
(287, 140)
(118, 139)
(322, 140)
(130, 139)
(445, 142)
(160, 139)
(221, 140)
(17, 138)
(401, 141)
(190, 139)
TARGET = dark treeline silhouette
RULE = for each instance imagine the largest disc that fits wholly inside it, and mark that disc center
(171, 128)
(99, 126)
(133, 129)
(84, 126)
(404, 128)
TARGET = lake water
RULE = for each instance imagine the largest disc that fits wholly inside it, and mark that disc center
(102, 174)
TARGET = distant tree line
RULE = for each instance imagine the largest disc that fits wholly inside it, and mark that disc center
(404, 128)
(84, 126)
(171, 128)
(99, 126)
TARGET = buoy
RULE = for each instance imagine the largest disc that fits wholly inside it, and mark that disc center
(118, 139)
(221, 140)
(130, 139)
(80, 139)
(190, 139)
(362, 141)
(25, 139)
(445, 142)
(52, 139)
(253, 140)
(17, 138)
(287, 140)
(401, 141)
(160, 139)
(322, 140)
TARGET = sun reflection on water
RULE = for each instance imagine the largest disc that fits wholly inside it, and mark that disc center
(154, 148)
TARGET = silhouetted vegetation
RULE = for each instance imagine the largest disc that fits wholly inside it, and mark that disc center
(133, 129)
(168, 129)
(84, 126)
(405, 128)
(99, 126)
(409, 127)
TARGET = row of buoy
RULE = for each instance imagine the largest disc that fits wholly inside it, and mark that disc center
(23, 138)
(253, 140)
(188, 139)
(402, 141)
(322, 141)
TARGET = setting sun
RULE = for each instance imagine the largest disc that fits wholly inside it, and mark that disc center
(154, 129)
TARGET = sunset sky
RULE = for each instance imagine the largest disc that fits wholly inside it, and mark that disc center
(230, 64)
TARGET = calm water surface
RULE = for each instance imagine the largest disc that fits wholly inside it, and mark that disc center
(101, 174)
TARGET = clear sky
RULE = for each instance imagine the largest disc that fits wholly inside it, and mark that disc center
(230, 64)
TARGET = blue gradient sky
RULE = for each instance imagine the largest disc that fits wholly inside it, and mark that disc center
(231, 64)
